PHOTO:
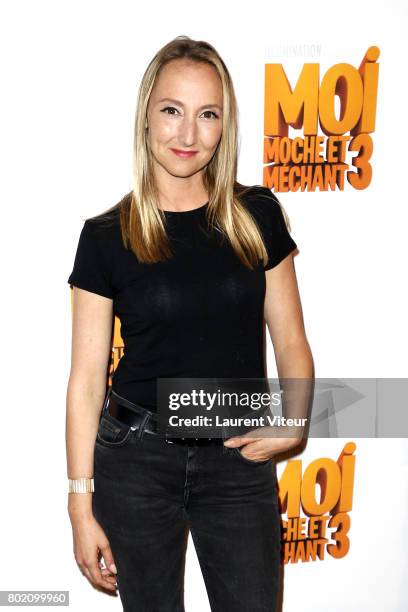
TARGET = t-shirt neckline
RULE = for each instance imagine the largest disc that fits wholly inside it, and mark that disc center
(187, 212)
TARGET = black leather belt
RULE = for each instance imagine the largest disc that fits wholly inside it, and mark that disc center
(137, 416)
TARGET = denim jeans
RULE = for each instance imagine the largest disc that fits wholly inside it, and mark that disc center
(150, 493)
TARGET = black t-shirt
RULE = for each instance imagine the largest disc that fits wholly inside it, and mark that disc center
(197, 315)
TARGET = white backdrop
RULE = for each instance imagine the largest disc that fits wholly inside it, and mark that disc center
(70, 73)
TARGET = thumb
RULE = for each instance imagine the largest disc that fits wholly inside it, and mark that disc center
(236, 441)
(108, 558)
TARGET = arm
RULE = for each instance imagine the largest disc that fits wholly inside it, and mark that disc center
(294, 361)
(92, 322)
(284, 319)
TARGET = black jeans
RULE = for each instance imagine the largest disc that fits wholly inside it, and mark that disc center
(149, 493)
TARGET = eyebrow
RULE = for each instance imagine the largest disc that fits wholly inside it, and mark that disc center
(179, 103)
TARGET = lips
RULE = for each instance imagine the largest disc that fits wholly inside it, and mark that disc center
(184, 154)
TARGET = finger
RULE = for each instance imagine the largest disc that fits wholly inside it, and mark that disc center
(107, 573)
(108, 558)
(97, 577)
(257, 451)
(257, 444)
(250, 436)
(235, 441)
(85, 572)
(241, 441)
(109, 577)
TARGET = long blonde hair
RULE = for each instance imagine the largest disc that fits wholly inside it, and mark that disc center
(142, 222)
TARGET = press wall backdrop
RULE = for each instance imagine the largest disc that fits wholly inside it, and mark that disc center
(322, 100)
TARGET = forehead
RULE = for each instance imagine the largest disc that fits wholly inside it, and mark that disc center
(186, 80)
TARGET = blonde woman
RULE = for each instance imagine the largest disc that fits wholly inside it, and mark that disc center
(192, 263)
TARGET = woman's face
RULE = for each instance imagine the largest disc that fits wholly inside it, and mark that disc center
(184, 114)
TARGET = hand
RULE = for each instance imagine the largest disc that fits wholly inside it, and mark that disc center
(261, 448)
(90, 544)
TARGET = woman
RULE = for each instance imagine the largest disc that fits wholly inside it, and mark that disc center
(182, 261)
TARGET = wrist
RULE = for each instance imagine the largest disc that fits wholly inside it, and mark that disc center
(79, 504)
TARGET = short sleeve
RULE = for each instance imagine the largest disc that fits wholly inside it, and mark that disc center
(90, 271)
(269, 216)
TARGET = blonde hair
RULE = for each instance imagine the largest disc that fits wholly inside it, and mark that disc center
(142, 222)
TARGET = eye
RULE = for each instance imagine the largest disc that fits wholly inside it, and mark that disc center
(169, 108)
(172, 108)
(212, 112)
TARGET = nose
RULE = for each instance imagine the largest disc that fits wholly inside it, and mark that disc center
(188, 131)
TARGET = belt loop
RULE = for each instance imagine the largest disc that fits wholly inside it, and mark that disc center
(142, 426)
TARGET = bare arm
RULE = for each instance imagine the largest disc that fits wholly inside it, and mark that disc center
(92, 322)
(90, 351)
(284, 319)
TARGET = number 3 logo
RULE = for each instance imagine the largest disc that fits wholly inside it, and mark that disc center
(362, 178)
(342, 522)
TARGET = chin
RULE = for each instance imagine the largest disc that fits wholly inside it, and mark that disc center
(177, 172)
(182, 168)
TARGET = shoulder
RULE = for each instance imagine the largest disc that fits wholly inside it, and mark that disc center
(262, 204)
(271, 219)
(105, 226)
(110, 218)
(258, 197)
